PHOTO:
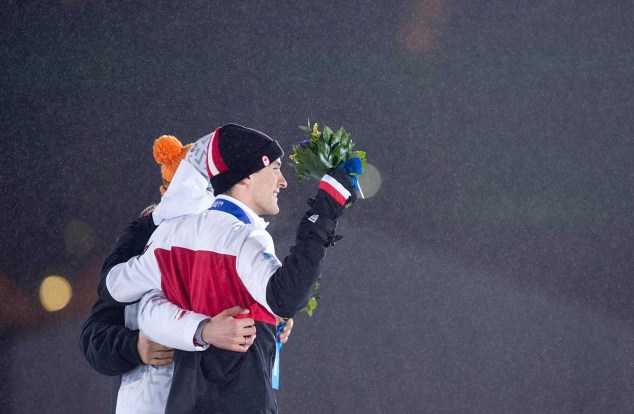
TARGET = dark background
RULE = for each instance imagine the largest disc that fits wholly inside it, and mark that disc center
(492, 271)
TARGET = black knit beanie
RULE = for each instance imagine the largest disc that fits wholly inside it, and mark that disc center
(236, 152)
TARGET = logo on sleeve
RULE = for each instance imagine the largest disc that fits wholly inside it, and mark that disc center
(269, 256)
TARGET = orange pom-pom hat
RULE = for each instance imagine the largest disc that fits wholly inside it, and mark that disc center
(169, 152)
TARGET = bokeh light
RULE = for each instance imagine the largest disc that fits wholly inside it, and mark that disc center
(422, 30)
(370, 181)
(79, 237)
(55, 293)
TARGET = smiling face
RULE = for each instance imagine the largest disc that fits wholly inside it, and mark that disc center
(264, 187)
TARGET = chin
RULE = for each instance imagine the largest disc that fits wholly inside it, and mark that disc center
(274, 210)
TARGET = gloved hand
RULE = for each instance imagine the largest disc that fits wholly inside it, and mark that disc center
(336, 192)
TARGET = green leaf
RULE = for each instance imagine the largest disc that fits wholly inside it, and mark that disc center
(327, 134)
(342, 153)
(358, 154)
(311, 305)
(321, 146)
(327, 151)
(337, 137)
(316, 165)
(325, 160)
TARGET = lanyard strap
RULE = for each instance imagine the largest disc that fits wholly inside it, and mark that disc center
(227, 206)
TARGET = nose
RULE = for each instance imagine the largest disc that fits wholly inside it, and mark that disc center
(281, 181)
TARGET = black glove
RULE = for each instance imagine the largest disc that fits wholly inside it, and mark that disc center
(336, 192)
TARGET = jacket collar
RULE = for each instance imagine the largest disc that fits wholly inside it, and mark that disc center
(238, 209)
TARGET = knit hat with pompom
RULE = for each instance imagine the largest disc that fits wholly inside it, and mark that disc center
(169, 152)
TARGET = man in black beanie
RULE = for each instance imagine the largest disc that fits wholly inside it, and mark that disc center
(224, 256)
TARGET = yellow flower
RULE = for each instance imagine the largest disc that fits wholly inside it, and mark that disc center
(316, 132)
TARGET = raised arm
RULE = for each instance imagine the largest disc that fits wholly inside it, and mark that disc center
(284, 288)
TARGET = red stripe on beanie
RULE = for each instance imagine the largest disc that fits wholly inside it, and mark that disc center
(332, 191)
(214, 157)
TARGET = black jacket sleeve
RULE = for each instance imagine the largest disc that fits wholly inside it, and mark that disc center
(107, 344)
(289, 288)
(131, 243)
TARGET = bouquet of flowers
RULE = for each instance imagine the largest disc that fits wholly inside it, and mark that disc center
(326, 149)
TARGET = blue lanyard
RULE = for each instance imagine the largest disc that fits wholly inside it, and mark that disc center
(278, 348)
(227, 206)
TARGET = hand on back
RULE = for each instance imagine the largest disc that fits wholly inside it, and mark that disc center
(152, 353)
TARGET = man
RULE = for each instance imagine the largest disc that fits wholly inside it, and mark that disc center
(112, 342)
(224, 255)
(114, 346)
